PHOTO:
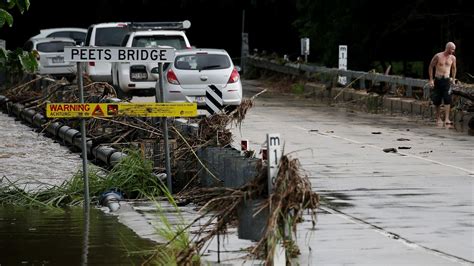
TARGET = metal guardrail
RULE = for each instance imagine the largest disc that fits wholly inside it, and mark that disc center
(352, 76)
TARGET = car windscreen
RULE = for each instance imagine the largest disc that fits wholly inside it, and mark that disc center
(110, 36)
(159, 40)
(53, 47)
(202, 61)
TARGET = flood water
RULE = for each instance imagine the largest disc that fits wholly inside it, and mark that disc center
(52, 237)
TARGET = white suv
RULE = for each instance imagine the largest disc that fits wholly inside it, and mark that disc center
(127, 77)
(50, 55)
(77, 34)
(104, 34)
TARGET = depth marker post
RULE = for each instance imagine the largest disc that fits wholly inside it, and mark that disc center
(274, 154)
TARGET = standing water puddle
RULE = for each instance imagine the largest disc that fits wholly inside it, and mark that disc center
(57, 237)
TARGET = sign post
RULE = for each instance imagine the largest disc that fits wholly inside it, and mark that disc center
(85, 172)
(244, 49)
(164, 123)
(342, 63)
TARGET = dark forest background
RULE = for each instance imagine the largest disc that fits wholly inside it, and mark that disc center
(404, 34)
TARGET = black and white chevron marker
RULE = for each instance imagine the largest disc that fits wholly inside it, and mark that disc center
(214, 102)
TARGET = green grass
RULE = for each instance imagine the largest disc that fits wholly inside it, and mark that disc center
(132, 175)
(178, 249)
(297, 88)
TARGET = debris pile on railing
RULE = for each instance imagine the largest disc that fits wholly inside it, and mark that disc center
(125, 132)
(466, 94)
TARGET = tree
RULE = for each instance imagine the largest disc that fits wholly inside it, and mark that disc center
(15, 63)
(5, 16)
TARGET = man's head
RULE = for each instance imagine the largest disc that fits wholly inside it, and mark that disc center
(450, 48)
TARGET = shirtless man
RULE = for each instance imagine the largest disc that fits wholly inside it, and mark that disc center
(445, 74)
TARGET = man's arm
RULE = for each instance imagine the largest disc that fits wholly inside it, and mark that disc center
(430, 69)
(454, 69)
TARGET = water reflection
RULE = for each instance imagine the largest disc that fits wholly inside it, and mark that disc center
(85, 241)
(40, 237)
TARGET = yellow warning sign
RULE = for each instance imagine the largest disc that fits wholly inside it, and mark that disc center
(87, 110)
(97, 111)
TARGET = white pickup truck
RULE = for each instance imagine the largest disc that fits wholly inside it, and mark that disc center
(130, 77)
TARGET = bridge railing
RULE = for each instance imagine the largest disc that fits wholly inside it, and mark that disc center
(352, 76)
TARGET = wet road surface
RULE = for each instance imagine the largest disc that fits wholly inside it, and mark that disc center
(412, 207)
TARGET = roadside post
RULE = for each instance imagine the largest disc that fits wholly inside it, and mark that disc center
(342, 63)
(274, 153)
(88, 110)
(244, 47)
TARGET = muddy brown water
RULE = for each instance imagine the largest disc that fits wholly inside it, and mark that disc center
(46, 237)
(52, 237)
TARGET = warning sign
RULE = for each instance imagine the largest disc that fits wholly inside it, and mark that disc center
(88, 110)
(97, 111)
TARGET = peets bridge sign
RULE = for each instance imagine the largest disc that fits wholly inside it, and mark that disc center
(118, 54)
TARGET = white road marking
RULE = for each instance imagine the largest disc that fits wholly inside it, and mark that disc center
(394, 236)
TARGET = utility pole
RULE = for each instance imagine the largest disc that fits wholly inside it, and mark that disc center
(244, 51)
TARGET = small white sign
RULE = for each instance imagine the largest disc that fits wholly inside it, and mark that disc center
(304, 46)
(274, 153)
(342, 62)
(118, 54)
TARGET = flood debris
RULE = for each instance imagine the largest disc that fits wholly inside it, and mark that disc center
(403, 139)
(390, 150)
(292, 195)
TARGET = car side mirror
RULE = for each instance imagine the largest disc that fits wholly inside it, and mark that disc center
(239, 69)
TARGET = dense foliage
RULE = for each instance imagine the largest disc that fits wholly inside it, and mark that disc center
(5, 16)
(381, 32)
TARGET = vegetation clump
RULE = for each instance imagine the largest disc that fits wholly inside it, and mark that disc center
(133, 176)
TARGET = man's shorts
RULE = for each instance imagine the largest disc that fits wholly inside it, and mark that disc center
(440, 91)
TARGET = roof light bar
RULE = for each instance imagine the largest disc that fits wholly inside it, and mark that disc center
(161, 25)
